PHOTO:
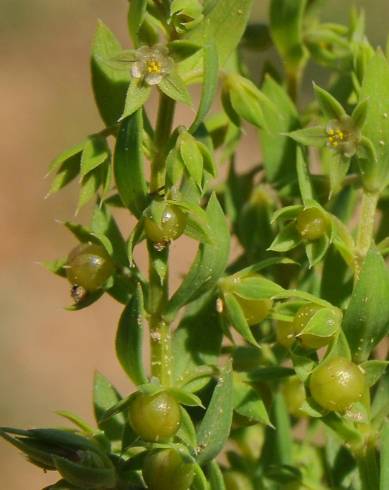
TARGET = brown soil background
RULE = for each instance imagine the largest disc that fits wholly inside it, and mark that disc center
(48, 355)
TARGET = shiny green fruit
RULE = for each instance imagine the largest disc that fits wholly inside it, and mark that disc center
(234, 480)
(155, 417)
(89, 266)
(166, 470)
(255, 311)
(171, 226)
(337, 384)
(294, 394)
(285, 333)
(311, 224)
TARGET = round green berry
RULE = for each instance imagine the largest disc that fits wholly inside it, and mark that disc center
(234, 480)
(166, 470)
(294, 394)
(171, 226)
(337, 384)
(311, 224)
(155, 417)
(285, 333)
(89, 266)
(255, 310)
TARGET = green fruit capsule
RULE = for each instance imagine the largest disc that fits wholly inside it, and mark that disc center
(89, 266)
(155, 417)
(285, 333)
(301, 319)
(234, 480)
(255, 311)
(294, 394)
(337, 384)
(171, 226)
(166, 470)
(311, 224)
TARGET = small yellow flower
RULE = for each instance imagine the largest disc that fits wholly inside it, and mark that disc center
(342, 136)
(152, 64)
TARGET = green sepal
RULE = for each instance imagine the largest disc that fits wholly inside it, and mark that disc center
(129, 339)
(137, 95)
(187, 430)
(122, 60)
(251, 287)
(214, 429)
(56, 266)
(185, 397)
(287, 239)
(215, 475)
(85, 476)
(366, 320)
(373, 371)
(248, 402)
(287, 213)
(311, 136)
(325, 323)
(174, 87)
(303, 363)
(129, 165)
(367, 153)
(109, 85)
(316, 250)
(331, 108)
(67, 167)
(77, 421)
(197, 225)
(104, 397)
(237, 318)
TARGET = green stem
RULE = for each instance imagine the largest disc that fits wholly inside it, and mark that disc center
(366, 228)
(368, 467)
(283, 433)
(160, 335)
(162, 134)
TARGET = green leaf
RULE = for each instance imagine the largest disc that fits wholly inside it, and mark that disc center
(84, 476)
(191, 157)
(366, 320)
(110, 86)
(56, 266)
(56, 164)
(227, 16)
(129, 339)
(317, 250)
(248, 402)
(375, 88)
(286, 25)
(174, 87)
(179, 49)
(89, 187)
(215, 427)
(215, 476)
(187, 431)
(210, 79)
(129, 165)
(96, 152)
(359, 113)
(237, 318)
(373, 370)
(380, 405)
(136, 17)
(331, 108)
(303, 176)
(197, 225)
(279, 151)
(67, 171)
(200, 481)
(384, 477)
(104, 224)
(209, 264)
(195, 345)
(136, 97)
(78, 421)
(324, 323)
(104, 397)
(312, 136)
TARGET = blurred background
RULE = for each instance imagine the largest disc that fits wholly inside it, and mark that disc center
(48, 355)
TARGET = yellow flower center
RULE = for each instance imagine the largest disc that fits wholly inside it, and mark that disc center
(153, 66)
(335, 136)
